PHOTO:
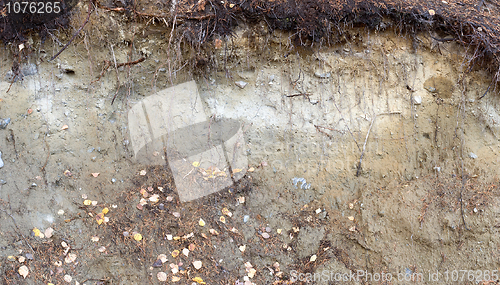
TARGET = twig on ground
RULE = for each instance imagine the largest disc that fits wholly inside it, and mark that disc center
(15, 70)
(444, 40)
(461, 152)
(319, 129)
(488, 89)
(131, 62)
(13, 138)
(46, 160)
(306, 95)
(358, 171)
(362, 150)
(18, 231)
(77, 32)
(116, 66)
(464, 180)
(96, 279)
(107, 64)
(390, 113)
(117, 75)
(120, 65)
(298, 94)
(54, 38)
(347, 126)
(9, 86)
(168, 48)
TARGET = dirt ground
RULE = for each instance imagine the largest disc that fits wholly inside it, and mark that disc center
(400, 154)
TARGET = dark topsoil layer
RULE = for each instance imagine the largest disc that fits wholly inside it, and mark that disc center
(473, 23)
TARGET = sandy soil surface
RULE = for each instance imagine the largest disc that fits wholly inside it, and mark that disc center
(397, 160)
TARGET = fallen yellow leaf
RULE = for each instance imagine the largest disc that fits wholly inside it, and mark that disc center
(99, 218)
(175, 253)
(196, 163)
(105, 210)
(226, 212)
(138, 237)
(198, 280)
(37, 232)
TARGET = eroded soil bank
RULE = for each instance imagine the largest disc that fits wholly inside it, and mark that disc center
(385, 128)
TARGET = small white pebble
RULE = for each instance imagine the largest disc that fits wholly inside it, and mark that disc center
(68, 278)
(197, 264)
(243, 248)
(162, 276)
